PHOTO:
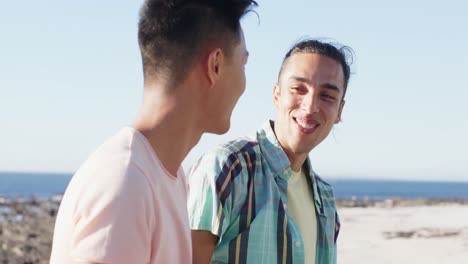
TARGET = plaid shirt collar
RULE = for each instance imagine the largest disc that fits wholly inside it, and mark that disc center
(278, 161)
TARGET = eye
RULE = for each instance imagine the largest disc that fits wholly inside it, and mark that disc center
(298, 89)
(328, 97)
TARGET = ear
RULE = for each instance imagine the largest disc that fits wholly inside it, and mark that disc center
(213, 64)
(276, 94)
(338, 117)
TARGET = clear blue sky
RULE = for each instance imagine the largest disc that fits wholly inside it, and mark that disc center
(70, 77)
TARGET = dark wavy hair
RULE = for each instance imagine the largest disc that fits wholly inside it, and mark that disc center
(173, 33)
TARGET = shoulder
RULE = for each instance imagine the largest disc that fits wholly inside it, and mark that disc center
(321, 181)
(108, 183)
(231, 153)
(110, 173)
(237, 147)
(324, 187)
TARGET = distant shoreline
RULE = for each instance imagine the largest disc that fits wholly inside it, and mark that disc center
(45, 185)
(6, 200)
(328, 178)
(27, 223)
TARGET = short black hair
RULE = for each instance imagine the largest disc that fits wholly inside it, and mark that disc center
(339, 52)
(173, 33)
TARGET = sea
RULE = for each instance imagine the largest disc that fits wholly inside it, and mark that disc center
(43, 185)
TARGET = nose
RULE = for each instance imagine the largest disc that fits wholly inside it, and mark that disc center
(310, 103)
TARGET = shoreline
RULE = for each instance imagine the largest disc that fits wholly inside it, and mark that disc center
(398, 202)
(371, 229)
(436, 232)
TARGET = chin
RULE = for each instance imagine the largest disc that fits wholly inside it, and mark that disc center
(221, 128)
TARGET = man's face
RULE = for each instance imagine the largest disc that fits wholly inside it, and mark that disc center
(308, 98)
(230, 86)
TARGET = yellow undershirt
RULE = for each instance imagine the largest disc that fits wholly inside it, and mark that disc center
(301, 207)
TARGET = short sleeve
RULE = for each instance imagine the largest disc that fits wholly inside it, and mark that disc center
(209, 197)
(114, 220)
(337, 225)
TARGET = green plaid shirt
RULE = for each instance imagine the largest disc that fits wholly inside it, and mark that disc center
(239, 193)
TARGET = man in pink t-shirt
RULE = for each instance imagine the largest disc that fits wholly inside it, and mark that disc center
(127, 202)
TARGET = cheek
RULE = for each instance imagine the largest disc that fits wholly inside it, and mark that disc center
(241, 83)
(290, 103)
(242, 75)
(331, 113)
(243, 80)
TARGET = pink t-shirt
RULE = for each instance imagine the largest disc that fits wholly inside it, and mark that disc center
(122, 206)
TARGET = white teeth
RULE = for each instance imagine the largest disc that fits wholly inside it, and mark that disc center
(305, 125)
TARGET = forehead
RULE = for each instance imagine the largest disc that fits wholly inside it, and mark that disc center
(314, 67)
(241, 45)
(239, 50)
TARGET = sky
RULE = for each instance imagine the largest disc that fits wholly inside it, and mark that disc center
(70, 77)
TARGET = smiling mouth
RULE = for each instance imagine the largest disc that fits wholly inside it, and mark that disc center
(306, 125)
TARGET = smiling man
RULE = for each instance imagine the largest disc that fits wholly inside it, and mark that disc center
(256, 199)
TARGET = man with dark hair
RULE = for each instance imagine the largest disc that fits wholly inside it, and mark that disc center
(256, 199)
(127, 202)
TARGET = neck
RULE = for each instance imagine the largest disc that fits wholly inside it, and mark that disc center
(296, 160)
(168, 122)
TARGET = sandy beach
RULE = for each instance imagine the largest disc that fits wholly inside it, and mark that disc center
(392, 231)
(401, 234)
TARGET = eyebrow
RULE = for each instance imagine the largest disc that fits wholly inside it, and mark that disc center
(305, 80)
(331, 87)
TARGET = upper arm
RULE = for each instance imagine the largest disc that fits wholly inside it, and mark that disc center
(203, 245)
(113, 222)
(337, 225)
(209, 198)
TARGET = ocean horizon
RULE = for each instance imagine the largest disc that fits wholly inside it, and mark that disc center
(43, 185)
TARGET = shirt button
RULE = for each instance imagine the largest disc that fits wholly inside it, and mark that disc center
(298, 244)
